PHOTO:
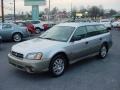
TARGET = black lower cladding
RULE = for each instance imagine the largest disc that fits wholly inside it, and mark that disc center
(18, 66)
(18, 55)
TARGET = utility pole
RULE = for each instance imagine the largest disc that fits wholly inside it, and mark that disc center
(2, 10)
(14, 12)
(49, 13)
(71, 8)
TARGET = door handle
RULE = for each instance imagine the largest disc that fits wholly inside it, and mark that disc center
(86, 42)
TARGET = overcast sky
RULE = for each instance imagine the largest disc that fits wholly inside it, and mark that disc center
(63, 4)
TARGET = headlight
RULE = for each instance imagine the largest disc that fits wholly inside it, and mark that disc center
(34, 56)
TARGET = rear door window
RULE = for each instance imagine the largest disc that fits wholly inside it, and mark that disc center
(91, 31)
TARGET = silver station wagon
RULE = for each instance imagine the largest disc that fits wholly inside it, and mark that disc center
(60, 46)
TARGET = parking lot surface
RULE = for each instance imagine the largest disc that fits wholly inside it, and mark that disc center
(89, 74)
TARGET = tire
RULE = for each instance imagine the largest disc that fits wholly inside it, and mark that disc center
(103, 51)
(17, 37)
(57, 65)
(38, 30)
(109, 28)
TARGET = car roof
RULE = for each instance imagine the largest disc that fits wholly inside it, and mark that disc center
(73, 24)
(32, 20)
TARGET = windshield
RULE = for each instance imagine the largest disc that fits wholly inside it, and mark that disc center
(58, 33)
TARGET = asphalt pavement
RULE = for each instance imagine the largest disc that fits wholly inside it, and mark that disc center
(89, 74)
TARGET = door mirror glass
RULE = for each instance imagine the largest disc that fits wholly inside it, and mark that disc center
(76, 38)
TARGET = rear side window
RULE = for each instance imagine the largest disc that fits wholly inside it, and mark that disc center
(101, 29)
(6, 26)
(91, 31)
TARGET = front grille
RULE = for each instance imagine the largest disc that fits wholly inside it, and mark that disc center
(18, 55)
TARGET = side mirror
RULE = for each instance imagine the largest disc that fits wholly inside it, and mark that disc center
(76, 38)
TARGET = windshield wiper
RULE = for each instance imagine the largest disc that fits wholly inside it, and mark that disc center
(51, 39)
(40, 37)
(48, 38)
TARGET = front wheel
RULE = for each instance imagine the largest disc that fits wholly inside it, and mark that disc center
(57, 65)
(17, 37)
(103, 51)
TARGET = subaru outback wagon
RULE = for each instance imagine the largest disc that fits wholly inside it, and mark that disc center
(60, 46)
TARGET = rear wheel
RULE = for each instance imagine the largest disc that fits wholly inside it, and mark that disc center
(103, 51)
(57, 65)
(17, 37)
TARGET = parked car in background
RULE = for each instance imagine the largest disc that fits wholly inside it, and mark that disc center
(37, 24)
(48, 24)
(41, 25)
(29, 26)
(116, 24)
(12, 31)
(107, 23)
(60, 46)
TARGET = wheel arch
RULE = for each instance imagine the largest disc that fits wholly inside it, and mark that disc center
(106, 44)
(16, 33)
(64, 54)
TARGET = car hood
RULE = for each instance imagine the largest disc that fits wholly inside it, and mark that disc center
(37, 45)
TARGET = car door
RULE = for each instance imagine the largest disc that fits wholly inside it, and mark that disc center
(6, 31)
(93, 38)
(78, 44)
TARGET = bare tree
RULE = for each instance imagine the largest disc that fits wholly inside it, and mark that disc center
(94, 12)
(54, 11)
(73, 13)
(112, 12)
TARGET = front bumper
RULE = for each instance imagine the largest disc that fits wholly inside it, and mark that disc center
(31, 66)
